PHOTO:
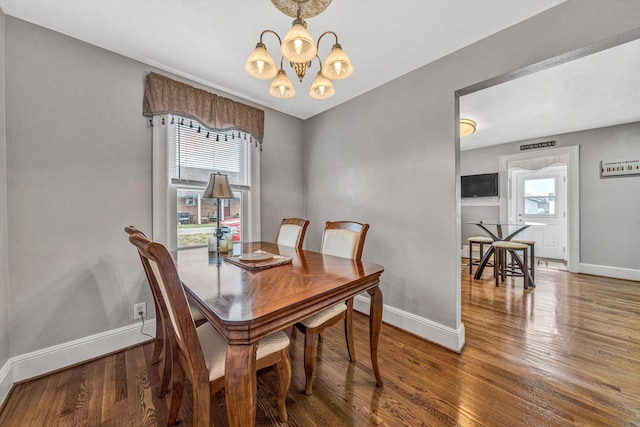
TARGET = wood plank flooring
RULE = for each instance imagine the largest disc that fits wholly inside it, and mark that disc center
(565, 353)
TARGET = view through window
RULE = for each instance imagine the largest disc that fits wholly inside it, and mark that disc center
(194, 153)
(540, 196)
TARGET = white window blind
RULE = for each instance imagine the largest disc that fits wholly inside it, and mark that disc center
(195, 152)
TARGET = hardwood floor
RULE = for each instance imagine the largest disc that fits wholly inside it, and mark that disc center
(565, 353)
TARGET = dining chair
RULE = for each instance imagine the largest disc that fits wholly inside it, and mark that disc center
(291, 232)
(199, 353)
(159, 347)
(343, 239)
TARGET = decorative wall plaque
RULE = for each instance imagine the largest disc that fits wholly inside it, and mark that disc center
(537, 145)
(619, 167)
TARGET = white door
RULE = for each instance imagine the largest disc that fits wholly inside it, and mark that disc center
(541, 197)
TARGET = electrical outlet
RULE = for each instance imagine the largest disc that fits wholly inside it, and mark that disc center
(141, 307)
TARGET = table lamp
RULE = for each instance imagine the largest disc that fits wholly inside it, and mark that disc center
(218, 188)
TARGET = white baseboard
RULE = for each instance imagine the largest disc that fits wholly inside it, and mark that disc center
(49, 359)
(450, 338)
(6, 380)
(607, 271)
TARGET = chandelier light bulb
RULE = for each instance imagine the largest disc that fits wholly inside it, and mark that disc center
(337, 68)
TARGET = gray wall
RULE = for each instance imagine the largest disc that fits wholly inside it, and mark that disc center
(389, 157)
(4, 263)
(282, 177)
(609, 208)
(79, 170)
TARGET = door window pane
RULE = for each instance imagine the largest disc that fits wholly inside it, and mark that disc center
(540, 196)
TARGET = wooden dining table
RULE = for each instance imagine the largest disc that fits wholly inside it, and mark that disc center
(246, 305)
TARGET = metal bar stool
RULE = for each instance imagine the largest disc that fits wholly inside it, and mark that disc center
(503, 269)
(480, 241)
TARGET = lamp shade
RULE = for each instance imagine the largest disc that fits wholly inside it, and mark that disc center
(260, 64)
(321, 87)
(467, 127)
(218, 187)
(337, 66)
(281, 87)
(298, 45)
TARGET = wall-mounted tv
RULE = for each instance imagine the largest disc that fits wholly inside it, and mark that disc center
(483, 185)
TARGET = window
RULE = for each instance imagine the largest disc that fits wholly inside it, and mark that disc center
(191, 153)
(540, 196)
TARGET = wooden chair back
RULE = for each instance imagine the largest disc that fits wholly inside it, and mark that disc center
(180, 327)
(344, 239)
(292, 232)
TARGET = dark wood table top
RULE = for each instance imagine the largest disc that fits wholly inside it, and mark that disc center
(246, 305)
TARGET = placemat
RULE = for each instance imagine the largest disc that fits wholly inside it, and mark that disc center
(254, 266)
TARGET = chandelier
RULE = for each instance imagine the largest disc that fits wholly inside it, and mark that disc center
(298, 48)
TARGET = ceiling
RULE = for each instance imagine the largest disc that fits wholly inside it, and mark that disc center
(208, 41)
(598, 90)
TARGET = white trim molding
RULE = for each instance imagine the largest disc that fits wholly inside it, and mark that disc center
(39, 362)
(608, 271)
(450, 338)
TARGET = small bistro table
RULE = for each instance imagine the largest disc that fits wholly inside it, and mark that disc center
(505, 232)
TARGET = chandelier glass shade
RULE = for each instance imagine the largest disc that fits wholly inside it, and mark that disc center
(260, 64)
(281, 87)
(298, 45)
(321, 87)
(299, 49)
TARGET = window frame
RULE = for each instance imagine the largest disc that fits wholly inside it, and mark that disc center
(164, 192)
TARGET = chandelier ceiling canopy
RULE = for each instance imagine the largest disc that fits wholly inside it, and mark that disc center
(300, 50)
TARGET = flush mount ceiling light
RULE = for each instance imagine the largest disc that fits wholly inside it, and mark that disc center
(467, 127)
(298, 48)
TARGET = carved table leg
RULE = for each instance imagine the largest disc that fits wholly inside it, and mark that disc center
(375, 326)
(240, 385)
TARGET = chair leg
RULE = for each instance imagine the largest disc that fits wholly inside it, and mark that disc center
(176, 394)
(201, 391)
(532, 260)
(309, 359)
(284, 369)
(497, 262)
(167, 364)
(525, 271)
(470, 257)
(348, 330)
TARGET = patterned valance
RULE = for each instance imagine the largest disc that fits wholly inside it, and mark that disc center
(163, 95)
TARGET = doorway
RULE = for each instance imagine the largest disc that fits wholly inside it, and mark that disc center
(538, 197)
(559, 164)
